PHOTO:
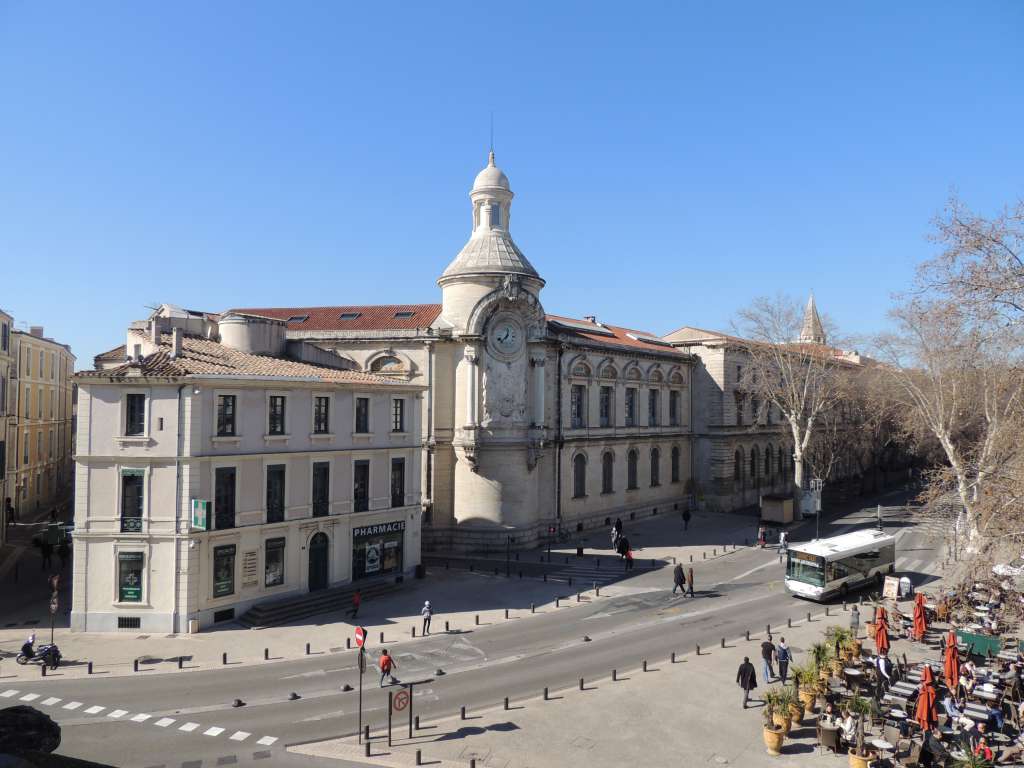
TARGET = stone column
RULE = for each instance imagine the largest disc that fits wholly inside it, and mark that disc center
(537, 360)
(472, 385)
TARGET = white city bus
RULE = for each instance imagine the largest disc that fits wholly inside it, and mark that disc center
(822, 568)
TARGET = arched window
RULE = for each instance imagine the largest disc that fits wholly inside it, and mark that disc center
(753, 465)
(579, 476)
(675, 463)
(737, 466)
(607, 472)
(655, 467)
(631, 461)
(768, 461)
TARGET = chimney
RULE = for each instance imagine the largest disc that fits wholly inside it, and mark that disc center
(175, 342)
(36, 330)
(591, 319)
(154, 333)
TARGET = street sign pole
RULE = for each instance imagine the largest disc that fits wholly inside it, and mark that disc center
(362, 666)
(391, 708)
(410, 710)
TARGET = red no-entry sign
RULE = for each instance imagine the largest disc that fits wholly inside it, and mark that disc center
(400, 701)
(360, 636)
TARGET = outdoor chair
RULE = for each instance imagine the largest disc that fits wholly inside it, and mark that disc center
(913, 757)
(828, 738)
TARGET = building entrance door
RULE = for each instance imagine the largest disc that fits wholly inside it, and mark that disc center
(318, 562)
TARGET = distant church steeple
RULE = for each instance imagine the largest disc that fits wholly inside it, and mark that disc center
(812, 331)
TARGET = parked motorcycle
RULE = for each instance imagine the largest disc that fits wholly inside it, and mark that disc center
(47, 655)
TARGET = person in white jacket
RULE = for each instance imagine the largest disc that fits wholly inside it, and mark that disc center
(427, 613)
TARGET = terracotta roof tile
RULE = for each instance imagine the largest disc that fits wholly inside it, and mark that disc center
(380, 317)
(203, 356)
(611, 335)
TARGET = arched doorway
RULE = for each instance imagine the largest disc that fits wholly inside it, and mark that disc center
(318, 562)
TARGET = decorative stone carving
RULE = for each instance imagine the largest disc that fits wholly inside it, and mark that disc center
(504, 393)
(510, 287)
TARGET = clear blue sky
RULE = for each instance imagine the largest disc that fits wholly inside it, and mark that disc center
(670, 160)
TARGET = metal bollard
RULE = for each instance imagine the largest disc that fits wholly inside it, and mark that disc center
(224, 658)
(557, 601)
(533, 608)
(520, 574)
(181, 661)
(844, 605)
(723, 642)
(545, 694)
(90, 668)
(472, 762)
(714, 552)
(698, 649)
(476, 620)
(419, 757)
(135, 665)
(597, 589)
(462, 713)
(789, 622)
(581, 683)
(506, 613)
(826, 610)
(366, 749)
(748, 635)
(577, 597)
(414, 631)
(307, 649)
(545, 578)
(808, 617)
(42, 669)
(703, 555)
(614, 677)
(382, 637)
(672, 658)
(417, 726)
(691, 558)
(768, 629)
(366, 734)
(266, 654)
(348, 643)
(506, 703)
(645, 665)
(446, 626)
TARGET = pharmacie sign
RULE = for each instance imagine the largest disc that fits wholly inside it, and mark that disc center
(381, 529)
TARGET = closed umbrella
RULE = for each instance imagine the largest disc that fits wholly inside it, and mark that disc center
(927, 678)
(925, 713)
(881, 637)
(951, 666)
(920, 623)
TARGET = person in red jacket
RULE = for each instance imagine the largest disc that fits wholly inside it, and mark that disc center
(387, 664)
(983, 750)
(629, 559)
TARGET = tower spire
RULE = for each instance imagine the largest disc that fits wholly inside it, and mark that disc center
(812, 332)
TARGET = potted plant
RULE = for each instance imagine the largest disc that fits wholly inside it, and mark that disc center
(820, 653)
(860, 708)
(839, 638)
(774, 735)
(969, 760)
(806, 677)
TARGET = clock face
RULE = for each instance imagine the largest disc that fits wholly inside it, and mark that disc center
(506, 336)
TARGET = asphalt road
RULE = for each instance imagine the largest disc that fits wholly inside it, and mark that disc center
(191, 722)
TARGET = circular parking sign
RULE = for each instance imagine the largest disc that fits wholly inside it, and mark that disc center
(401, 701)
(360, 636)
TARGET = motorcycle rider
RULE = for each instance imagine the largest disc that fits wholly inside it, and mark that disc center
(28, 649)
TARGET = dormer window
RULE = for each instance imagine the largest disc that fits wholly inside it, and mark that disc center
(298, 318)
(403, 315)
(349, 315)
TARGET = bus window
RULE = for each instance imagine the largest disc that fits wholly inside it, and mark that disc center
(805, 569)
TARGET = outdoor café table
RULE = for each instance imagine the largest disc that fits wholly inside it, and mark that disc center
(992, 696)
(1007, 656)
(999, 738)
(897, 714)
(883, 745)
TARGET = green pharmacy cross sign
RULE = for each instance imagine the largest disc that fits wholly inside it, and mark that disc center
(200, 514)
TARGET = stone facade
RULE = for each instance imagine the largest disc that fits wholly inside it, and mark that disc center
(311, 475)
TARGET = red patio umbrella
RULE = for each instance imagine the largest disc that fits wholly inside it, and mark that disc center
(925, 713)
(881, 615)
(920, 623)
(881, 636)
(926, 675)
(951, 666)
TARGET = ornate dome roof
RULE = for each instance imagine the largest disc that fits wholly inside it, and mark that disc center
(490, 177)
(490, 252)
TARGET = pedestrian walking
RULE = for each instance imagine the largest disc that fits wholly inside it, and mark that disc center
(686, 519)
(783, 545)
(427, 613)
(357, 600)
(767, 654)
(783, 655)
(623, 546)
(746, 678)
(629, 559)
(617, 535)
(46, 548)
(761, 534)
(678, 580)
(855, 621)
(10, 516)
(689, 581)
(387, 664)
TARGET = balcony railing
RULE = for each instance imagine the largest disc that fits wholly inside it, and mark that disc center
(131, 525)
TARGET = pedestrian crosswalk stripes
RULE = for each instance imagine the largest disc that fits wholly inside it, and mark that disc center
(585, 574)
(117, 714)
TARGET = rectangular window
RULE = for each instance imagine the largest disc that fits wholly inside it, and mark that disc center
(28, 401)
(224, 570)
(321, 488)
(5, 337)
(607, 399)
(321, 415)
(224, 497)
(135, 414)
(132, 481)
(39, 447)
(398, 482)
(361, 485)
(630, 406)
(39, 402)
(49, 444)
(42, 358)
(398, 415)
(739, 408)
(362, 415)
(275, 424)
(495, 215)
(225, 415)
(673, 408)
(578, 403)
(24, 445)
(273, 563)
(275, 493)
(129, 577)
(28, 363)
(653, 411)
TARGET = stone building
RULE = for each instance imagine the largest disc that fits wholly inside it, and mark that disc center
(534, 423)
(6, 362)
(220, 465)
(39, 421)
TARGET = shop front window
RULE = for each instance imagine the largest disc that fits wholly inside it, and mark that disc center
(129, 577)
(377, 549)
(224, 571)
(273, 563)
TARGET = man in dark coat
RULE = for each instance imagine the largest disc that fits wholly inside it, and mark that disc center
(746, 678)
(678, 580)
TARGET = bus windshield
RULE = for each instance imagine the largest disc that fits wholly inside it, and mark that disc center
(806, 569)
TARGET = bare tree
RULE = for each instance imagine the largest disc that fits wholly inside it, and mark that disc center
(801, 379)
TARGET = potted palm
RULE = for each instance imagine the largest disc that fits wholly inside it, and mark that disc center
(784, 703)
(774, 734)
(840, 639)
(860, 708)
(805, 677)
(820, 653)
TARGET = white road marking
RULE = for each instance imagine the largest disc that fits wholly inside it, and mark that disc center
(73, 705)
(187, 727)
(240, 736)
(266, 741)
(9, 693)
(753, 570)
(51, 701)
(163, 722)
(117, 713)
(29, 697)
(94, 710)
(214, 731)
(141, 718)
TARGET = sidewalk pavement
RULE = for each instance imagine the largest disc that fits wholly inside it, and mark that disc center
(458, 597)
(687, 713)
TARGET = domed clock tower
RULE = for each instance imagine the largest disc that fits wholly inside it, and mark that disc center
(491, 301)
